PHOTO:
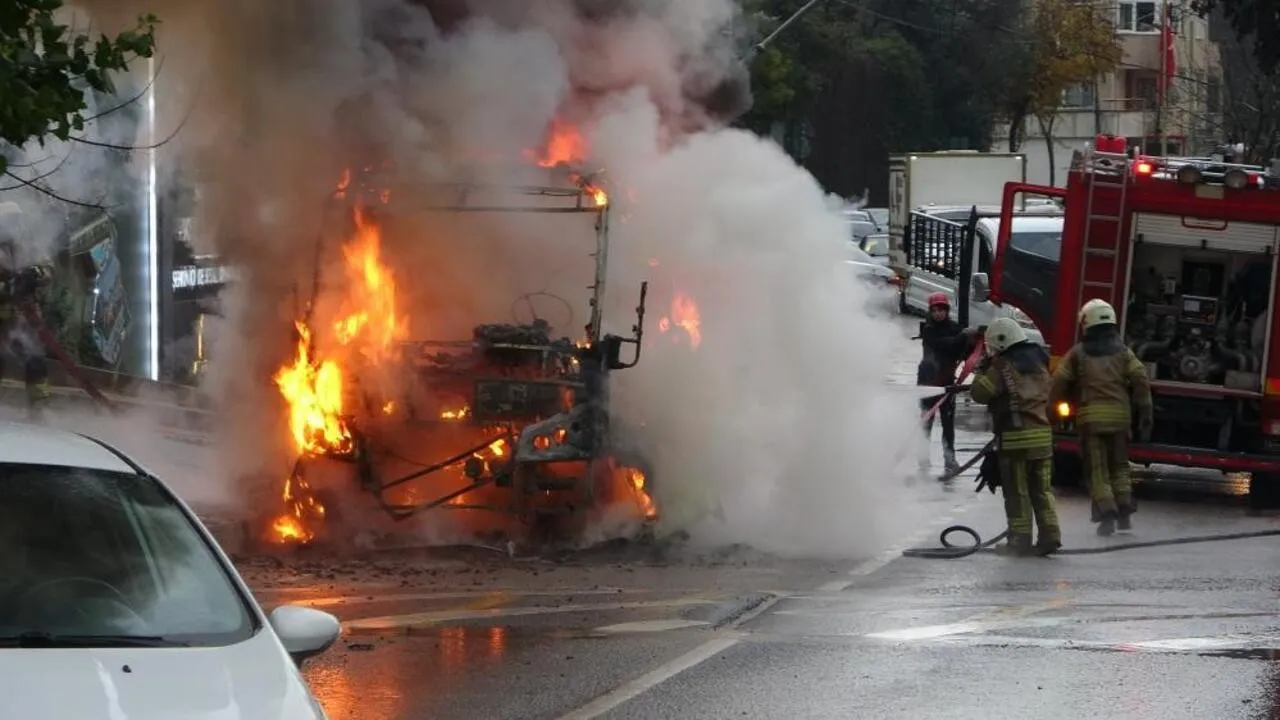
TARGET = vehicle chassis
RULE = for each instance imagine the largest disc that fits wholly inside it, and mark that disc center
(551, 412)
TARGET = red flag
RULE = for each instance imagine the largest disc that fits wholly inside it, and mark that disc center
(1168, 58)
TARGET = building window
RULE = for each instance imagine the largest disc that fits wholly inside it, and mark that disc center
(1132, 16)
(1078, 97)
(1140, 89)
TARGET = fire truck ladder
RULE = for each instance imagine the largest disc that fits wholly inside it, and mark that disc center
(1106, 171)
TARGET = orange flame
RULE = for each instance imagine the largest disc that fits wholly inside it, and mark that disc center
(564, 144)
(684, 315)
(314, 392)
(638, 482)
(315, 387)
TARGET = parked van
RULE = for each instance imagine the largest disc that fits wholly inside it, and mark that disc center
(933, 258)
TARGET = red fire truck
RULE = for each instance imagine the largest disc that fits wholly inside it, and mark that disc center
(1185, 249)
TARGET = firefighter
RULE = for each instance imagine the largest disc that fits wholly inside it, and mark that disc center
(19, 285)
(1014, 383)
(1107, 385)
(945, 346)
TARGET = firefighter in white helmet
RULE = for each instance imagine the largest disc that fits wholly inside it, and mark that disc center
(1106, 386)
(1014, 383)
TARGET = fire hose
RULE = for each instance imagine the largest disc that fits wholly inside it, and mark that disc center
(50, 341)
(950, 551)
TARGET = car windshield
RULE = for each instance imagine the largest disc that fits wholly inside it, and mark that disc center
(1047, 245)
(876, 245)
(105, 558)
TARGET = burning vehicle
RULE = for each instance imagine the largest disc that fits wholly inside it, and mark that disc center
(514, 420)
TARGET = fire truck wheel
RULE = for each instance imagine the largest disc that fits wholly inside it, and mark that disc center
(1068, 469)
(1264, 492)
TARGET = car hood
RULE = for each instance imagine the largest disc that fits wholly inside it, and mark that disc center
(253, 679)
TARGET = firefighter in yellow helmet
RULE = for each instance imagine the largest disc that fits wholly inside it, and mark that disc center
(1107, 386)
(1014, 383)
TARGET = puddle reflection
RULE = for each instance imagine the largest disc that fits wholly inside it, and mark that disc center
(396, 676)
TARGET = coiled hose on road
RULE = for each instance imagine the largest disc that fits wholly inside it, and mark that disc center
(950, 551)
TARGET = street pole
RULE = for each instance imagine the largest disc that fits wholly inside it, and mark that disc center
(755, 49)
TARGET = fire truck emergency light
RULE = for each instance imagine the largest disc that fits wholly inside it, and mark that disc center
(1144, 168)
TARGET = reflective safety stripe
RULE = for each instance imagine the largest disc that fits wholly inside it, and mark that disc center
(983, 390)
(1031, 438)
(1103, 412)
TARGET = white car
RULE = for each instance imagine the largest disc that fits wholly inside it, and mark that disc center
(116, 602)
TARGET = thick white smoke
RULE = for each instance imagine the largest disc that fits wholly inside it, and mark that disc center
(776, 431)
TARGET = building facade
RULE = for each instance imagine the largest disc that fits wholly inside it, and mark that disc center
(1128, 102)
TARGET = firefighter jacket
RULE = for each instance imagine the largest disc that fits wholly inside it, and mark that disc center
(16, 287)
(1104, 382)
(1015, 387)
(945, 346)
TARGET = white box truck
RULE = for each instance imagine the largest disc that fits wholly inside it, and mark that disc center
(945, 178)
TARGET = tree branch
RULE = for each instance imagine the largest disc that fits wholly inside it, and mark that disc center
(50, 193)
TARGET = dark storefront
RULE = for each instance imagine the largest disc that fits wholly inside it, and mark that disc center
(189, 287)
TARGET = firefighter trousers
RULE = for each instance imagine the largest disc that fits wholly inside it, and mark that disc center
(1106, 460)
(1027, 496)
(947, 413)
(35, 369)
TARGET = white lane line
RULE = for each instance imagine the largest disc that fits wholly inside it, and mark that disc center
(648, 626)
(665, 672)
(652, 679)
(389, 622)
(1172, 646)
(375, 597)
(867, 567)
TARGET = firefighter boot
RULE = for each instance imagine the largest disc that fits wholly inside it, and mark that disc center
(37, 400)
(1124, 518)
(1107, 526)
(1016, 546)
(949, 461)
(1049, 543)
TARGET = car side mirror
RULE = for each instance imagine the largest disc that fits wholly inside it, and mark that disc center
(304, 632)
(979, 288)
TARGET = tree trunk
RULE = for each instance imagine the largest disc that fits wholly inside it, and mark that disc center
(1097, 109)
(1046, 129)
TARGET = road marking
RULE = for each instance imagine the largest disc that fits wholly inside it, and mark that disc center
(435, 617)
(652, 679)
(1172, 646)
(666, 671)
(376, 597)
(867, 567)
(647, 626)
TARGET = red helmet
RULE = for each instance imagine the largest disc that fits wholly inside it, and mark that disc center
(937, 299)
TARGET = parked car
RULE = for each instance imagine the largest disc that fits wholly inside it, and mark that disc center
(860, 230)
(879, 216)
(877, 246)
(116, 601)
(881, 280)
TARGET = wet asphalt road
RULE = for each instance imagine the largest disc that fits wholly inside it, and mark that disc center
(1183, 631)
(1173, 632)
